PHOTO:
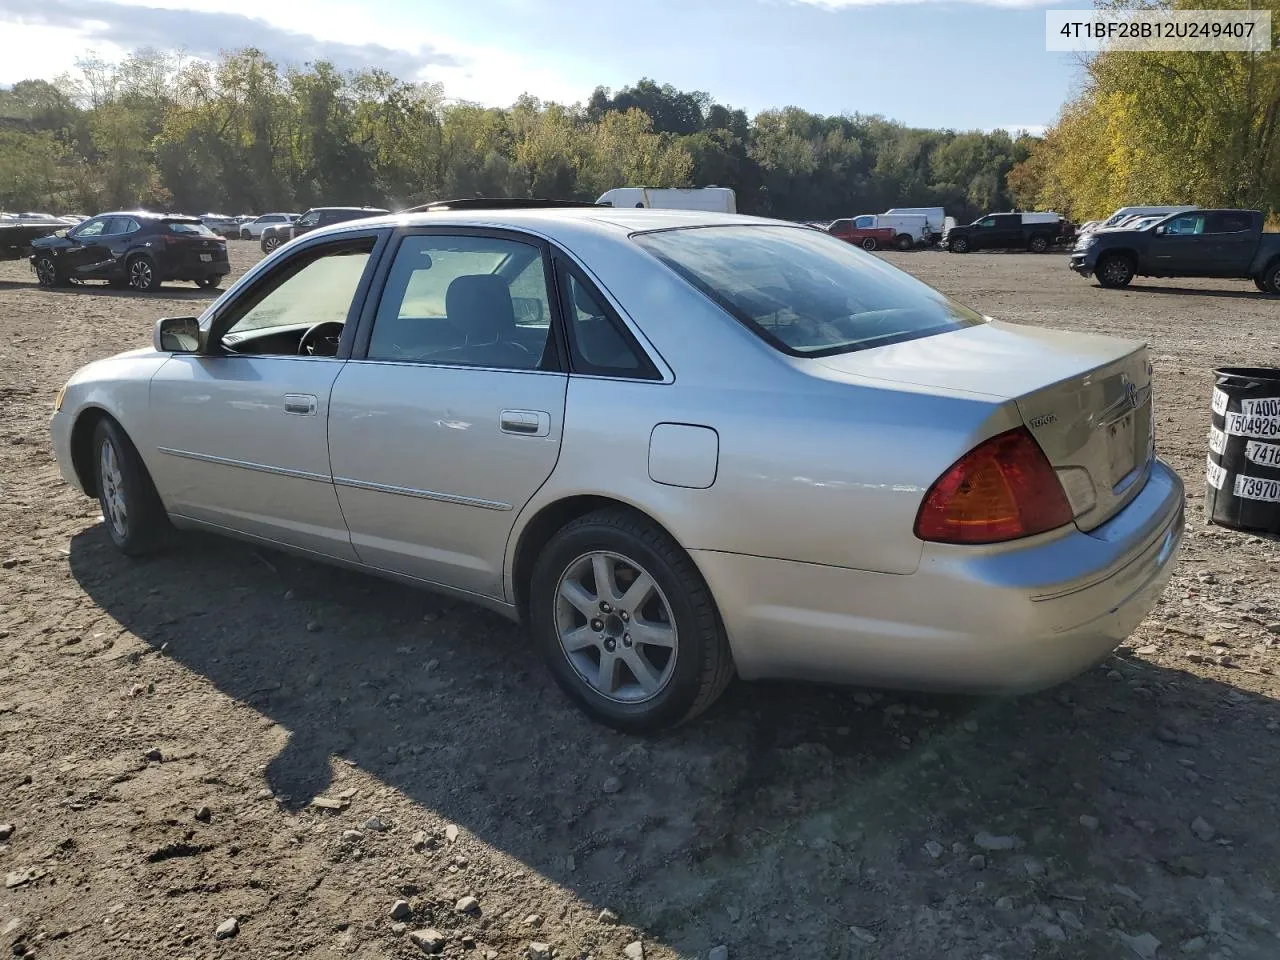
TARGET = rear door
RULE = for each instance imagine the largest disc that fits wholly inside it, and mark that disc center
(448, 417)
(1234, 241)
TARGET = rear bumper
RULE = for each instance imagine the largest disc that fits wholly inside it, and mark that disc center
(972, 620)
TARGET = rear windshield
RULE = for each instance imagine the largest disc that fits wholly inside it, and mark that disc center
(806, 293)
(189, 226)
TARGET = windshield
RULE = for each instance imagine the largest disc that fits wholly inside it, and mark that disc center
(804, 292)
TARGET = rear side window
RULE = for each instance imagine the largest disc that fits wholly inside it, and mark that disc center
(189, 227)
(806, 294)
(599, 343)
(1227, 223)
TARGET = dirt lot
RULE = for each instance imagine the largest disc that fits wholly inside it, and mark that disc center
(1136, 805)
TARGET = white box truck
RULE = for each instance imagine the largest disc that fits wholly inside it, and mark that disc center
(711, 199)
(936, 216)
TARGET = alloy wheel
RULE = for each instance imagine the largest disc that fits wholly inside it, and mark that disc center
(113, 503)
(46, 272)
(1116, 271)
(615, 627)
(140, 274)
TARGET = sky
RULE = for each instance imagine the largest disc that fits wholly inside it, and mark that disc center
(959, 64)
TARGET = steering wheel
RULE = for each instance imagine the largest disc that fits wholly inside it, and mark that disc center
(321, 340)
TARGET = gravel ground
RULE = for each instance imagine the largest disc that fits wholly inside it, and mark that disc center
(228, 752)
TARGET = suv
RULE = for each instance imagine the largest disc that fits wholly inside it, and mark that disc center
(133, 249)
(273, 236)
(1036, 232)
(1197, 243)
(253, 227)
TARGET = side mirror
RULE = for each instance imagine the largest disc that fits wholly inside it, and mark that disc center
(177, 335)
(1162, 230)
(528, 310)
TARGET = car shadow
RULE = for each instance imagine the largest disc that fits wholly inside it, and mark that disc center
(775, 822)
(166, 291)
(1199, 292)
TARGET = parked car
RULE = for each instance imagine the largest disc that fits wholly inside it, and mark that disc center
(1124, 213)
(316, 217)
(935, 217)
(868, 238)
(17, 235)
(1036, 232)
(909, 229)
(1200, 243)
(132, 249)
(710, 199)
(252, 230)
(221, 224)
(645, 434)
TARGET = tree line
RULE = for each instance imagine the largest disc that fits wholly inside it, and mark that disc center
(245, 134)
(1163, 128)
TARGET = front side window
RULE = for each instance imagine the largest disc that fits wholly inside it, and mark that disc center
(806, 294)
(989, 222)
(309, 219)
(1186, 225)
(470, 300)
(314, 286)
(864, 223)
(840, 225)
(94, 228)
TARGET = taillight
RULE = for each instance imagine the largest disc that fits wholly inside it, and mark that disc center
(1002, 489)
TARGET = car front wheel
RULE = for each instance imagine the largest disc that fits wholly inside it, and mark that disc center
(131, 508)
(1039, 244)
(47, 271)
(626, 624)
(1115, 271)
(209, 283)
(270, 243)
(959, 245)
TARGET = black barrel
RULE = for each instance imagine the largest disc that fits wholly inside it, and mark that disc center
(1242, 480)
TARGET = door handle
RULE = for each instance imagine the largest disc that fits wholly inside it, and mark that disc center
(300, 404)
(526, 423)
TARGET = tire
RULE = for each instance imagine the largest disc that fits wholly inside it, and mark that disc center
(1260, 284)
(903, 242)
(270, 243)
(209, 283)
(142, 274)
(131, 509)
(1114, 271)
(47, 272)
(959, 245)
(1038, 244)
(1270, 280)
(683, 677)
(868, 244)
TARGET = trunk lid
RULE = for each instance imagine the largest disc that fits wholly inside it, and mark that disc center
(1085, 398)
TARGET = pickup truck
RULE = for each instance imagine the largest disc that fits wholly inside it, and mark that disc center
(1006, 231)
(1197, 243)
(868, 238)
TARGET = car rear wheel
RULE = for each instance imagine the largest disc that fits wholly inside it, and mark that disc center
(868, 243)
(142, 274)
(904, 242)
(131, 509)
(270, 243)
(626, 624)
(1270, 281)
(47, 274)
(959, 245)
(1115, 271)
(1038, 244)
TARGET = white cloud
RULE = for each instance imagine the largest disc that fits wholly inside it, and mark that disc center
(1035, 129)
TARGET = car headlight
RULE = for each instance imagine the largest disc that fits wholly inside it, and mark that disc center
(57, 401)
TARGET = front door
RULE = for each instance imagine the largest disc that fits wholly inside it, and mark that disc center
(1180, 246)
(241, 435)
(88, 248)
(448, 420)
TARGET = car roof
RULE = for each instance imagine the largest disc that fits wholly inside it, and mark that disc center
(559, 223)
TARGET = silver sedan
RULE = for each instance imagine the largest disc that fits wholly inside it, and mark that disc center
(678, 446)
